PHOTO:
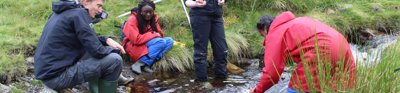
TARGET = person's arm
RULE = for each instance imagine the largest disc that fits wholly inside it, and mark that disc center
(87, 36)
(107, 41)
(103, 39)
(115, 44)
(159, 30)
(193, 4)
(132, 32)
(274, 59)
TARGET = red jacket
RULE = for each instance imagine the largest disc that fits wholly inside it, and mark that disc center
(298, 38)
(134, 42)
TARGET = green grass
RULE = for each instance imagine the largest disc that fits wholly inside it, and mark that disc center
(16, 90)
(381, 78)
(20, 27)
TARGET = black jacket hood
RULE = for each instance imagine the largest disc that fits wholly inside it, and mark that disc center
(61, 6)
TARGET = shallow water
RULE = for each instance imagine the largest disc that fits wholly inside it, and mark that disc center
(371, 54)
(184, 82)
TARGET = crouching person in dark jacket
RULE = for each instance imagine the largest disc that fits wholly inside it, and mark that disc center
(69, 52)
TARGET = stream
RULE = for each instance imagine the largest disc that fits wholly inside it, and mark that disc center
(371, 54)
(175, 82)
(184, 83)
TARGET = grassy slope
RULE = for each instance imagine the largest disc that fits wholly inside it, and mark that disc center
(21, 24)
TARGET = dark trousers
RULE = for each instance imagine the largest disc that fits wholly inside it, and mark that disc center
(88, 68)
(211, 28)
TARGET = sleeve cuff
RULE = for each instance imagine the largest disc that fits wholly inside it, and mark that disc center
(103, 40)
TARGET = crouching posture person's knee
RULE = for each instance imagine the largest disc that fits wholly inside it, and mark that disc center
(111, 67)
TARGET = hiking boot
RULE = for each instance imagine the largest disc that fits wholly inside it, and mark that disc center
(136, 67)
(124, 81)
(148, 69)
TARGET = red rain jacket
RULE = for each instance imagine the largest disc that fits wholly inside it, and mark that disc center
(134, 42)
(300, 39)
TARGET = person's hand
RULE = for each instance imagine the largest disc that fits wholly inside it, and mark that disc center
(115, 44)
(221, 2)
(158, 34)
(252, 90)
(201, 3)
(197, 3)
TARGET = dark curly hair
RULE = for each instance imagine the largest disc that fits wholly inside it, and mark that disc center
(141, 21)
(265, 21)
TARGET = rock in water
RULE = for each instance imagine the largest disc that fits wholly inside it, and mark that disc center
(234, 69)
(4, 89)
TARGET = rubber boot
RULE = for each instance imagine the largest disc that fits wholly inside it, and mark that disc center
(48, 90)
(147, 69)
(108, 86)
(137, 67)
(94, 86)
(123, 80)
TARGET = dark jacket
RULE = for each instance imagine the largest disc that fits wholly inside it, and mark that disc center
(211, 9)
(67, 35)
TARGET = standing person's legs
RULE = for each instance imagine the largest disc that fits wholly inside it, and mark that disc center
(88, 68)
(155, 47)
(201, 27)
(220, 48)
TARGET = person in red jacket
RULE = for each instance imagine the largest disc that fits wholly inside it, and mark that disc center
(144, 41)
(316, 48)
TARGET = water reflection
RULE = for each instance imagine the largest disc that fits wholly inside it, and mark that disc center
(170, 82)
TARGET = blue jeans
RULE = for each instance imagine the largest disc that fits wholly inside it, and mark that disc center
(157, 47)
(204, 29)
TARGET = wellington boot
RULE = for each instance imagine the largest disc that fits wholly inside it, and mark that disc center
(124, 81)
(94, 86)
(108, 86)
(137, 67)
(147, 69)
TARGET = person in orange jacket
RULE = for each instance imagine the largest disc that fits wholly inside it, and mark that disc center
(312, 45)
(144, 40)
